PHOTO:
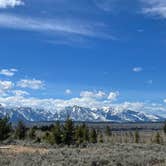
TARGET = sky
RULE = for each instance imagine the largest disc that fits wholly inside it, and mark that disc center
(92, 53)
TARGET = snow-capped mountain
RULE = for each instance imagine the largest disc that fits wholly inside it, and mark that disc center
(78, 114)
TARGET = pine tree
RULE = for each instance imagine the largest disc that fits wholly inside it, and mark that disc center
(68, 132)
(164, 128)
(137, 136)
(32, 133)
(93, 136)
(20, 130)
(85, 133)
(101, 140)
(158, 138)
(57, 133)
(48, 138)
(108, 131)
(79, 134)
(5, 128)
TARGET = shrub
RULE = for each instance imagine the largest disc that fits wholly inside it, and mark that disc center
(164, 128)
(32, 133)
(108, 131)
(137, 136)
(93, 136)
(20, 132)
(101, 140)
(158, 138)
(48, 138)
(5, 128)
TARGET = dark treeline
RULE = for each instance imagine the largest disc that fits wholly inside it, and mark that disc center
(67, 133)
(64, 134)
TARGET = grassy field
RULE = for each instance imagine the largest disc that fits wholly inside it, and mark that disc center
(97, 155)
(119, 149)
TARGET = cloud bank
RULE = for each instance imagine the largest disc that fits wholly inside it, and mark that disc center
(8, 72)
(10, 3)
(154, 8)
(31, 84)
(55, 26)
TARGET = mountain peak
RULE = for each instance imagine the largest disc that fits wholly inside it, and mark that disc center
(78, 113)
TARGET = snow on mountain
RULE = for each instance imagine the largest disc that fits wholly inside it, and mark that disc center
(78, 114)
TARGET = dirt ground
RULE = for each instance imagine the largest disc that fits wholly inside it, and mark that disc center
(18, 149)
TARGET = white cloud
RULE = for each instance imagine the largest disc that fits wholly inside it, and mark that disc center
(32, 84)
(68, 91)
(58, 104)
(154, 7)
(137, 69)
(87, 99)
(91, 94)
(113, 96)
(10, 3)
(20, 93)
(57, 27)
(8, 72)
(5, 86)
(50, 104)
(135, 106)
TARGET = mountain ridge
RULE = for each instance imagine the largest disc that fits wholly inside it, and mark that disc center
(77, 113)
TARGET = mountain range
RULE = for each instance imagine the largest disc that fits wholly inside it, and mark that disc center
(77, 113)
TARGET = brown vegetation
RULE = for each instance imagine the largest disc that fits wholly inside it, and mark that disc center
(78, 145)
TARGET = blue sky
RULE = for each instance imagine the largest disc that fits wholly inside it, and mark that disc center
(65, 47)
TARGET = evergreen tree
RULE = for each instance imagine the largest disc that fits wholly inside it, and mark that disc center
(101, 140)
(68, 132)
(32, 133)
(20, 130)
(158, 138)
(48, 138)
(79, 134)
(57, 133)
(85, 133)
(108, 131)
(93, 136)
(5, 128)
(137, 136)
(164, 128)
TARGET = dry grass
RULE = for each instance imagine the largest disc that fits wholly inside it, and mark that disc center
(118, 150)
(18, 149)
(94, 155)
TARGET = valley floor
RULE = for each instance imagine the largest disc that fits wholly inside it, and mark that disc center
(94, 155)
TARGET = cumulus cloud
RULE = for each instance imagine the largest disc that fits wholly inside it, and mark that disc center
(91, 94)
(137, 69)
(5, 86)
(88, 99)
(113, 96)
(135, 106)
(68, 91)
(8, 72)
(49, 104)
(31, 84)
(154, 8)
(10, 3)
(20, 93)
(59, 104)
